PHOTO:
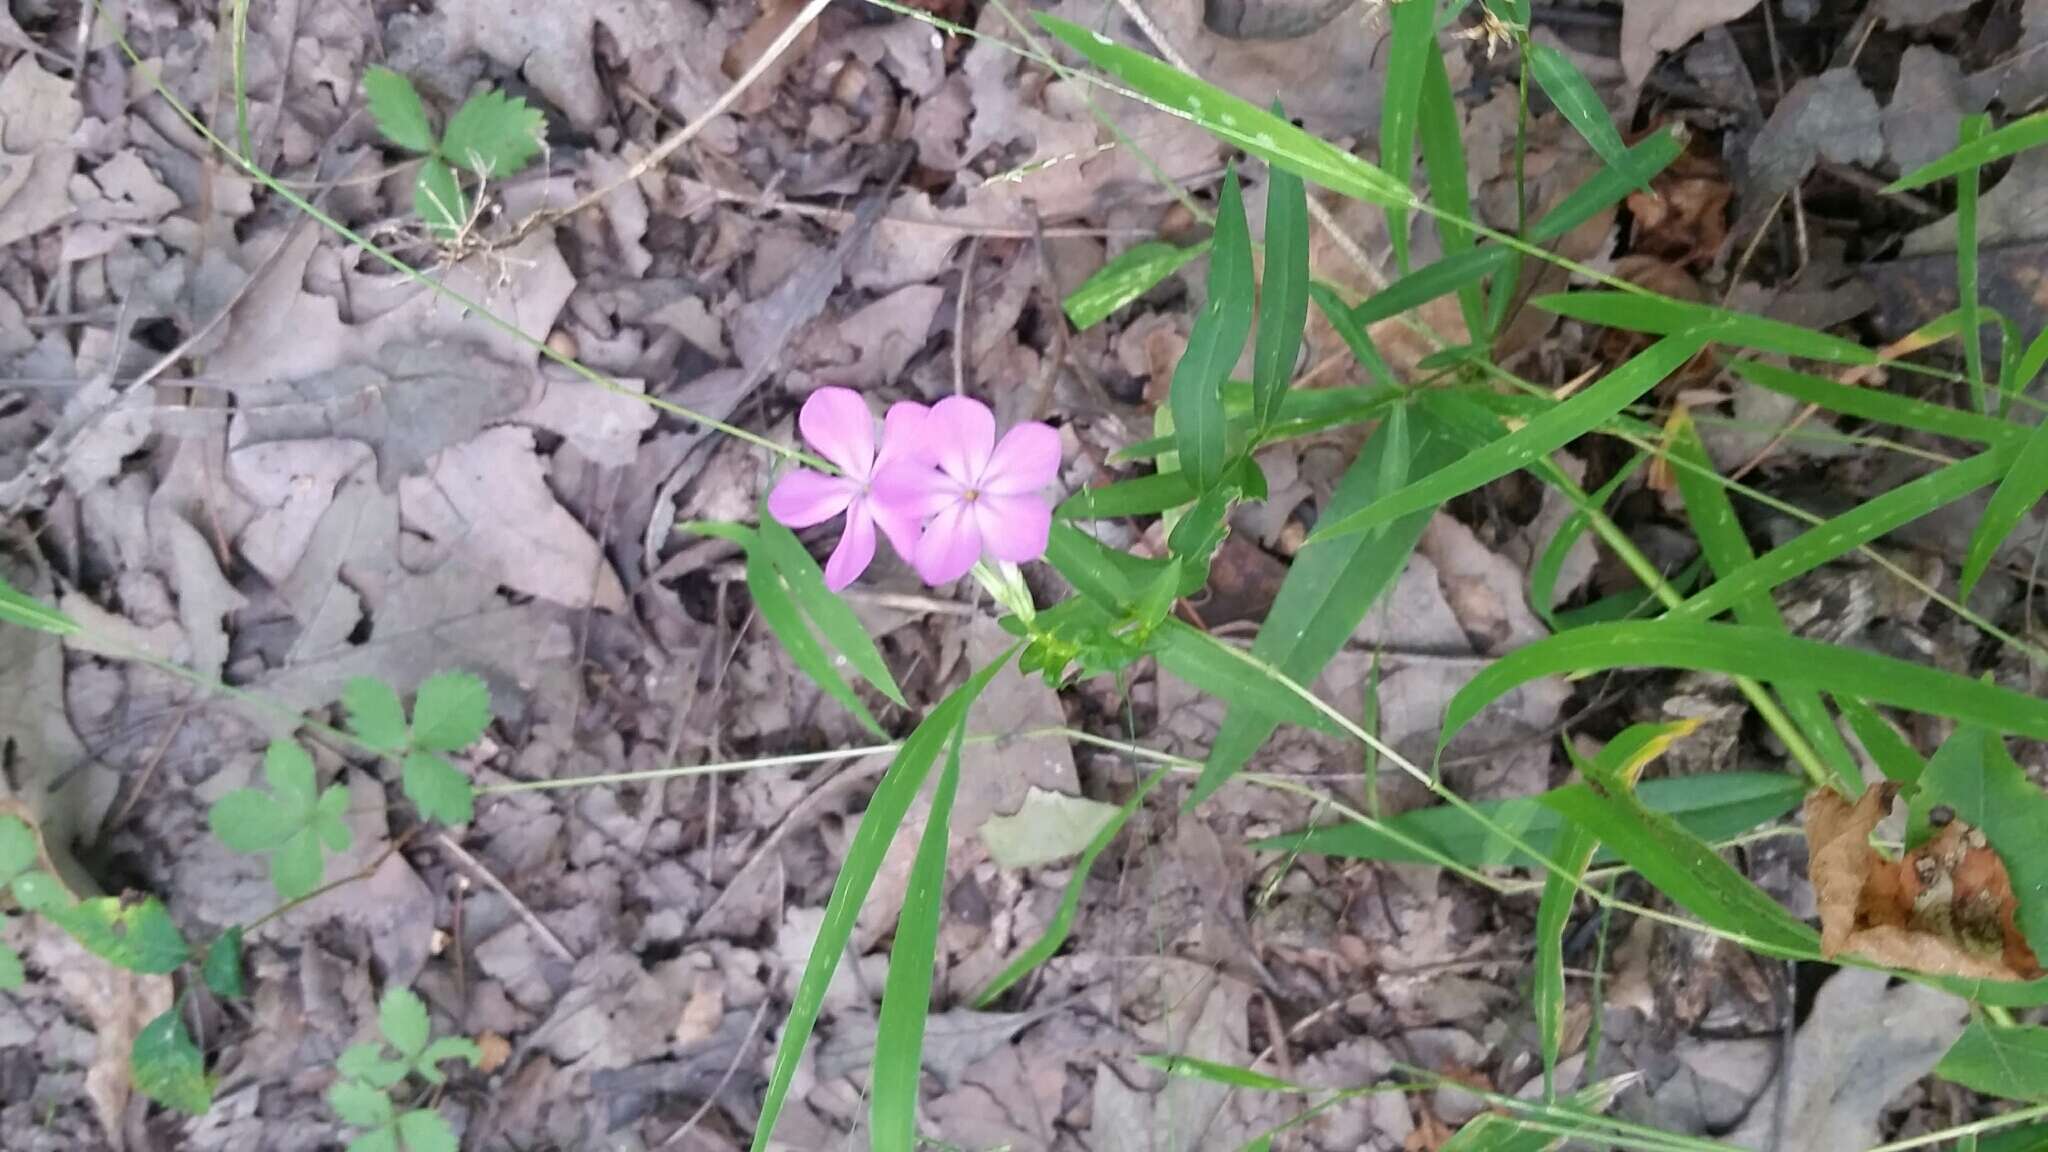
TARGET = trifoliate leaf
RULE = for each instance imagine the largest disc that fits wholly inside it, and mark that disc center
(403, 1018)
(140, 937)
(446, 1048)
(289, 769)
(250, 821)
(492, 135)
(17, 848)
(11, 971)
(396, 107)
(438, 200)
(297, 868)
(451, 712)
(168, 1068)
(438, 789)
(422, 1130)
(375, 714)
(222, 969)
(359, 1104)
(330, 819)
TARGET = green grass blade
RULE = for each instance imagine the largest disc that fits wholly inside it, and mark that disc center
(2011, 140)
(1062, 923)
(1738, 651)
(1330, 587)
(2021, 490)
(1196, 397)
(1727, 551)
(1560, 891)
(1870, 404)
(2010, 1062)
(1549, 565)
(1443, 157)
(1972, 128)
(878, 824)
(2030, 364)
(1352, 332)
(1539, 437)
(1138, 496)
(1410, 42)
(1992, 793)
(1283, 295)
(25, 611)
(1714, 808)
(1229, 1075)
(239, 67)
(1574, 96)
(1216, 668)
(1302, 413)
(1845, 533)
(1889, 750)
(779, 611)
(1124, 279)
(907, 994)
(834, 617)
(1661, 316)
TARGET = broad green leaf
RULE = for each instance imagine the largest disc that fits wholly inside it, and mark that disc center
(1684, 868)
(1062, 922)
(907, 994)
(26, 611)
(1220, 670)
(222, 969)
(878, 824)
(1560, 891)
(1137, 271)
(438, 789)
(450, 712)
(1271, 138)
(1443, 156)
(2018, 493)
(1218, 1073)
(1727, 550)
(139, 936)
(438, 200)
(297, 867)
(2007, 1062)
(1549, 565)
(396, 107)
(1714, 808)
(1048, 826)
(359, 1105)
(17, 847)
(1737, 651)
(772, 599)
(1410, 42)
(425, 1130)
(1196, 395)
(1283, 295)
(1535, 439)
(1844, 534)
(446, 1048)
(402, 1017)
(1991, 793)
(12, 974)
(2024, 1138)
(1147, 495)
(168, 1067)
(2025, 133)
(1663, 316)
(1574, 96)
(1889, 750)
(375, 714)
(493, 135)
(834, 617)
(1872, 404)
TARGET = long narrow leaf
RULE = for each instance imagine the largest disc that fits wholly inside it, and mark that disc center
(1972, 128)
(2019, 136)
(1574, 96)
(23, 610)
(834, 617)
(1870, 404)
(1138, 496)
(1132, 274)
(2020, 492)
(1196, 396)
(1538, 438)
(1443, 156)
(1560, 891)
(1661, 315)
(1283, 295)
(1228, 674)
(1353, 333)
(1889, 750)
(778, 610)
(1302, 413)
(1549, 565)
(1410, 41)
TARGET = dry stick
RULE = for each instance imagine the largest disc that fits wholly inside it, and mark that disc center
(739, 1057)
(960, 317)
(476, 868)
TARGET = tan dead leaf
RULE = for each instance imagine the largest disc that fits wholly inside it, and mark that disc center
(1684, 216)
(1651, 27)
(1945, 909)
(775, 18)
(702, 1012)
(118, 1003)
(1428, 1135)
(492, 1050)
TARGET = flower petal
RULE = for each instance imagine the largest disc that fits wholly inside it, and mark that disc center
(837, 423)
(855, 551)
(1027, 460)
(903, 435)
(900, 528)
(961, 434)
(803, 497)
(950, 545)
(1013, 528)
(913, 491)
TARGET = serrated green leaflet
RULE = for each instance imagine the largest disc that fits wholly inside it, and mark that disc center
(1196, 396)
(2010, 1062)
(493, 135)
(834, 617)
(2018, 493)
(1992, 793)
(167, 1066)
(396, 107)
(402, 1018)
(1283, 295)
(1132, 274)
(1138, 496)
(1574, 96)
(27, 612)
(1535, 439)
(375, 714)
(878, 824)
(138, 936)
(1663, 316)
(450, 712)
(438, 789)
(1739, 651)
(2011, 140)
(779, 611)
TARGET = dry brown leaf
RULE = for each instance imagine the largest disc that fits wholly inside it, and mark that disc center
(1650, 27)
(492, 1050)
(118, 1003)
(1684, 216)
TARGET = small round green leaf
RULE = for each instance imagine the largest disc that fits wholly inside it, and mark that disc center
(330, 819)
(39, 892)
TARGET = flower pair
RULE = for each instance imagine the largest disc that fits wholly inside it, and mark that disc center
(939, 485)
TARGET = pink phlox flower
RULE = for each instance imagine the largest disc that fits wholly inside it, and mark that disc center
(975, 496)
(836, 423)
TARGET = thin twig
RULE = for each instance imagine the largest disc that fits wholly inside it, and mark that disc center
(739, 1057)
(476, 868)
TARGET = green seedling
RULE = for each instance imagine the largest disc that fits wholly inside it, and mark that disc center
(491, 135)
(374, 1074)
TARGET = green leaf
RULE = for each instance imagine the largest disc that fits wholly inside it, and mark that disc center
(1137, 271)
(1223, 671)
(359, 1105)
(1992, 794)
(2018, 493)
(1663, 316)
(1539, 437)
(366, 1062)
(2019, 136)
(249, 821)
(168, 1067)
(493, 135)
(1893, 756)
(296, 867)
(17, 847)
(2022, 1138)
(424, 1130)
(1443, 155)
(12, 974)
(330, 819)
(1574, 96)
(26, 611)
(1196, 396)
(1871, 404)
(1352, 331)
(907, 994)
(39, 892)
(1283, 295)
(1549, 565)
(438, 200)
(293, 780)
(1047, 827)
(446, 1048)
(383, 1140)
(451, 712)
(778, 610)
(438, 789)
(1062, 922)
(834, 617)
(878, 824)
(1971, 128)
(375, 714)
(222, 969)
(396, 107)
(1713, 808)
(1684, 868)
(1271, 138)
(1411, 41)
(402, 1017)
(1738, 651)
(1218, 1073)
(1147, 495)
(1560, 892)
(139, 937)
(2007, 1062)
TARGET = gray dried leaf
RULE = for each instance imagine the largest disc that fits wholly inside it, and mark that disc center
(38, 112)
(1928, 104)
(1831, 115)
(1651, 27)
